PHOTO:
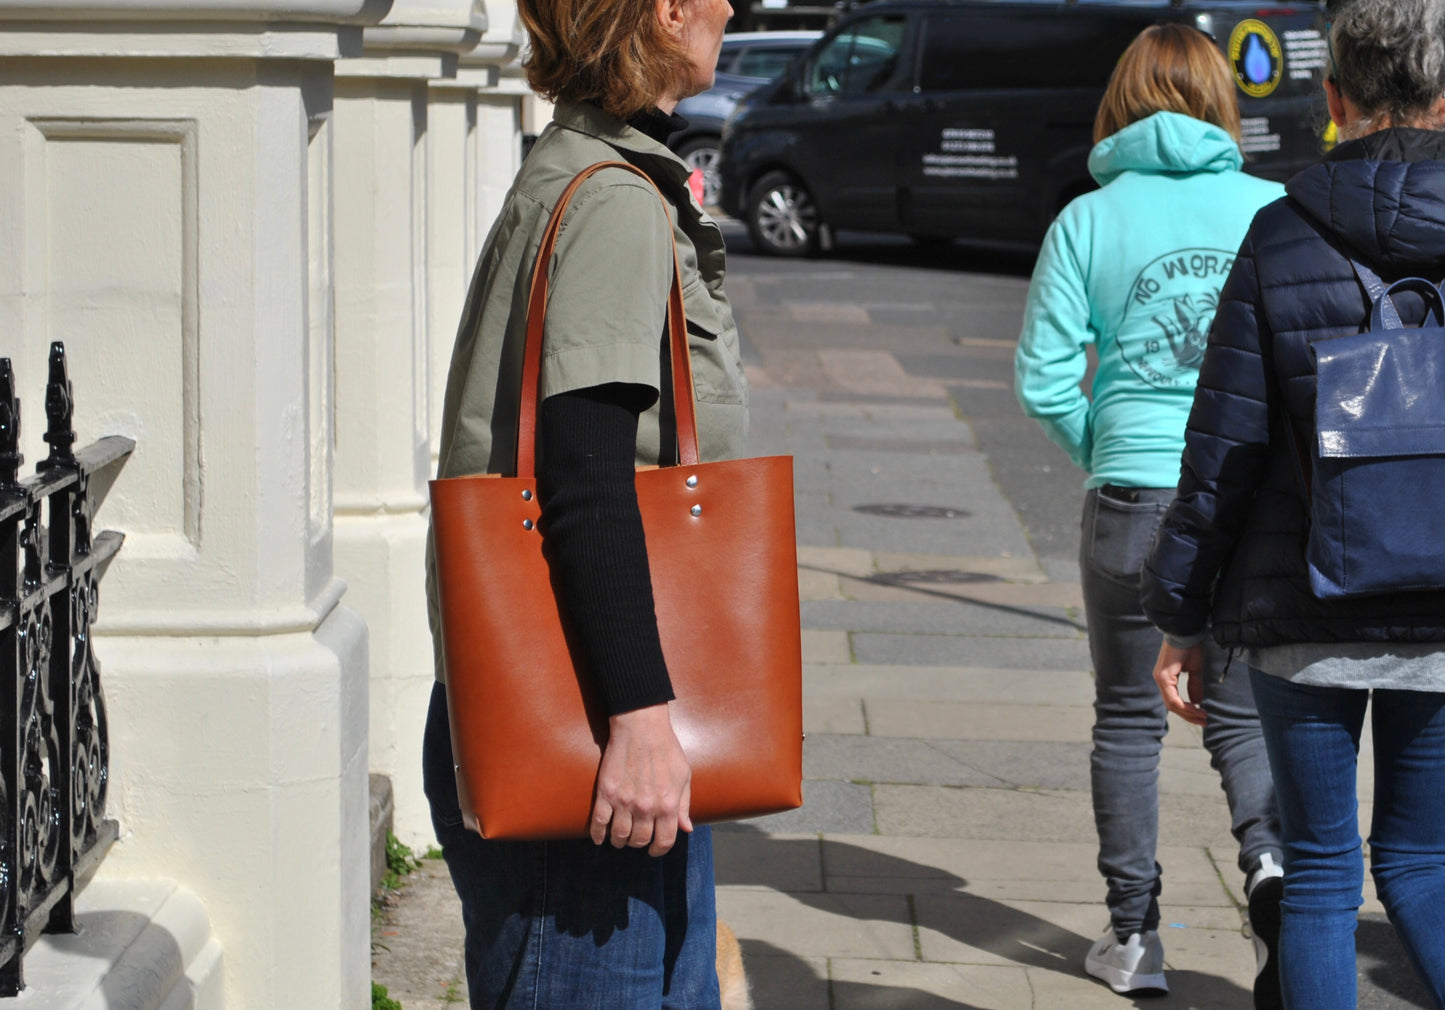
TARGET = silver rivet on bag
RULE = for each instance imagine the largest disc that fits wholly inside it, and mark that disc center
(697, 510)
(526, 524)
(692, 481)
(527, 495)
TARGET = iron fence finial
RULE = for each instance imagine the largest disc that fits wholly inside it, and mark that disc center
(59, 411)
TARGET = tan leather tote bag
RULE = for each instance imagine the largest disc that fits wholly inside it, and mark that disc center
(527, 730)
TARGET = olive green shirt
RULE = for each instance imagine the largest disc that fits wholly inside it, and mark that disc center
(606, 307)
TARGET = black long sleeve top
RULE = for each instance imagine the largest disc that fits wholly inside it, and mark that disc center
(594, 529)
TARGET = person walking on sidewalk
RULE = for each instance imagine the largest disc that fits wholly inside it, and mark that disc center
(1231, 554)
(1135, 269)
(626, 918)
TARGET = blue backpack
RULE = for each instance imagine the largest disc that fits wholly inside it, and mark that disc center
(1375, 475)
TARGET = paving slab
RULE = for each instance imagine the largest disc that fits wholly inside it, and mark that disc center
(1184, 769)
(947, 720)
(1188, 990)
(1005, 566)
(915, 446)
(1381, 956)
(1056, 935)
(780, 980)
(855, 530)
(875, 648)
(816, 585)
(861, 474)
(778, 861)
(837, 560)
(949, 683)
(999, 814)
(821, 925)
(1047, 815)
(940, 583)
(830, 714)
(935, 613)
(1019, 871)
(1025, 764)
(900, 985)
(826, 646)
(877, 758)
(827, 806)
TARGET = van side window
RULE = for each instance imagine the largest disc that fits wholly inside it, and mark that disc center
(860, 59)
(1032, 51)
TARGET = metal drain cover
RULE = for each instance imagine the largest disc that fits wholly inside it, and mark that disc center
(901, 511)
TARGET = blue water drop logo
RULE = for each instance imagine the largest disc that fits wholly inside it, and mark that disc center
(1258, 67)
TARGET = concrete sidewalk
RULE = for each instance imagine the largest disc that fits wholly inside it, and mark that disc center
(944, 857)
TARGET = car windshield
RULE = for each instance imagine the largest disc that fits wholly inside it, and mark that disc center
(766, 63)
(859, 59)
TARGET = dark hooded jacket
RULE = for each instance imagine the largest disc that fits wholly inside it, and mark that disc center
(1231, 548)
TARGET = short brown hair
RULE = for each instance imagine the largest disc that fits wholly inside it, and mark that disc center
(612, 52)
(1169, 68)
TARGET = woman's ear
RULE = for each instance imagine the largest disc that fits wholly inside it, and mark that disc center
(669, 15)
(1336, 102)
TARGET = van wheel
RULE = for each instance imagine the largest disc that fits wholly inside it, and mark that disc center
(782, 217)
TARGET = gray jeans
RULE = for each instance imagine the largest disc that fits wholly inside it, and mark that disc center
(1129, 715)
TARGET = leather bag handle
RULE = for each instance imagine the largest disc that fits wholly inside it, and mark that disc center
(1383, 314)
(683, 397)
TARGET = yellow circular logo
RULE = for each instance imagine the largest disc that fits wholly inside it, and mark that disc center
(1256, 58)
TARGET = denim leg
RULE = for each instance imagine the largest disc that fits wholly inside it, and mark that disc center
(622, 929)
(1407, 838)
(1237, 752)
(571, 925)
(1313, 737)
(1129, 715)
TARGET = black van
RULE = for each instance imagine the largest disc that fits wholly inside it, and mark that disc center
(974, 118)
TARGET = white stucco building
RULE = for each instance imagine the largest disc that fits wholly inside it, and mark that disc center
(252, 223)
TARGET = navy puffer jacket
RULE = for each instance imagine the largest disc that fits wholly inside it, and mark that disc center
(1231, 548)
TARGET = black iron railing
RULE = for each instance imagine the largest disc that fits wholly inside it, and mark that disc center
(54, 759)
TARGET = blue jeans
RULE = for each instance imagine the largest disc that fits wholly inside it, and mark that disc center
(571, 925)
(1130, 718)
(1313, 735)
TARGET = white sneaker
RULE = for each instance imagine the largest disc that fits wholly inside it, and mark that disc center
(1133, 966)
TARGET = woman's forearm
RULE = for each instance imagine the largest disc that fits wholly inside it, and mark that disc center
(594, 533)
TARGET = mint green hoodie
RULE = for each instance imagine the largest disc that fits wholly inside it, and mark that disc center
(1134, 268)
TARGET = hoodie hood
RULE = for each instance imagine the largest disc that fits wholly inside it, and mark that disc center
(1384, 197)
(1165, 142)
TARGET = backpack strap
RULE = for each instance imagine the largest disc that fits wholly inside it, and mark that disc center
(1383, 314)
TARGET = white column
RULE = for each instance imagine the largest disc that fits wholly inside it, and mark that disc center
(167, 213)
(493, 68)
(475, 151)
(383, 457)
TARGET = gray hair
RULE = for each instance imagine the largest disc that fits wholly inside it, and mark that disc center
(1389, 56)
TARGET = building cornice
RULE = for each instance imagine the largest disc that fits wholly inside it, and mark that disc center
(181, 11)
(204, 40)
(495, 50)
(433, 26)
(209, 29)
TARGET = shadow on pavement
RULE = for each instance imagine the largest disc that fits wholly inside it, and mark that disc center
(780, 979)
(893, 581)
(1387, 979)
(985, 925)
